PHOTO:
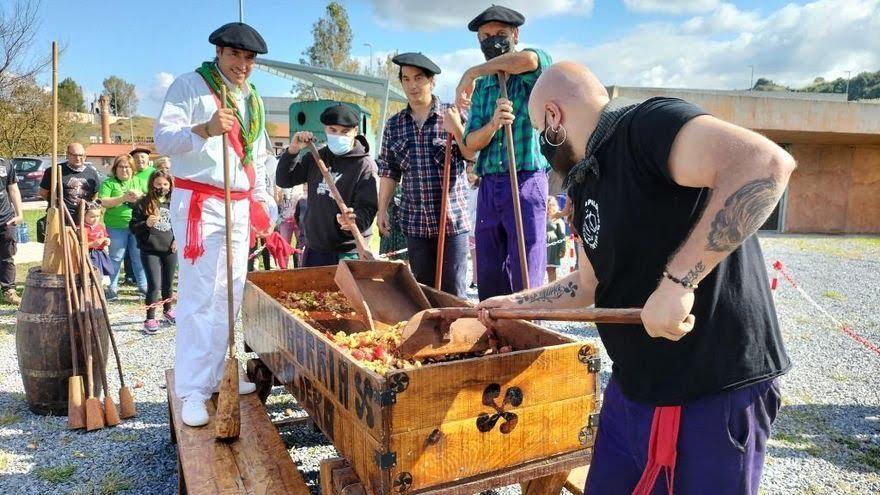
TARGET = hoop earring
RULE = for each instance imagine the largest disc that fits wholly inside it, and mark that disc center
(558, 129)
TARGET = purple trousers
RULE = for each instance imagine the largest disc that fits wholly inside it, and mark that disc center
(721, 442)
(498, 269)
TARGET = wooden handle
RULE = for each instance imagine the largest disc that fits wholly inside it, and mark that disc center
(363, 250)
(227, 200)
(514, 190)
(444, 201)
(55, 191)
(629, 316)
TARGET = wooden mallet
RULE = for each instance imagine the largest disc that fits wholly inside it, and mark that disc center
(228, 418)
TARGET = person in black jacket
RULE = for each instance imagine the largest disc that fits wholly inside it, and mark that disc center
(354, 172)
(151, 226)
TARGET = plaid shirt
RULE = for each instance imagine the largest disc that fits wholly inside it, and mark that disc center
(527, 148)
(415, 158)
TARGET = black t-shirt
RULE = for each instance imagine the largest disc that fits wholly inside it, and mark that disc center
(7, 177)
(632, 218)
(76, 185)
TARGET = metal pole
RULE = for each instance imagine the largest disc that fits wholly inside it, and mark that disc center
(240, 10)
(370, 64)
(131, 129)
(848, 73)
(752, 78)
(384, 112)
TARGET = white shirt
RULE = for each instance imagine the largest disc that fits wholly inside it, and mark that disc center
(189, 102)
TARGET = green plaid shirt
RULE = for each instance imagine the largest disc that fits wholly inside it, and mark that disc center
(527, 149)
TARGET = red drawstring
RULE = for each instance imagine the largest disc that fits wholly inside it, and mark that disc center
(661, 449)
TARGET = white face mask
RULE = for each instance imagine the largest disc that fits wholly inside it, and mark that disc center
(339, 145)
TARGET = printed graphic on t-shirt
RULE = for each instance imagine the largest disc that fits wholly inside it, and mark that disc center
(590, 227)
(164, 223)
(323, 188)
(77, 187)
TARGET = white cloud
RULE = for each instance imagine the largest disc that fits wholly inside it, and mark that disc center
(151, 97)
(726, 18)
(457, 13)
(671, 6)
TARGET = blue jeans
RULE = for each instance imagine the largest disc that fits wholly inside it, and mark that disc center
(122, 241)
(423, 262)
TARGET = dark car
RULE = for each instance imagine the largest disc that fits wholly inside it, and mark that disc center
(29, 172)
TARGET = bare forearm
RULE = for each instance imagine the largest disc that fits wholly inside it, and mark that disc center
(386, 192)
(740, 203)
(15, 196)
(479, 139)
(112, 202)
(569, 292)
(458, 134)
(511, 63)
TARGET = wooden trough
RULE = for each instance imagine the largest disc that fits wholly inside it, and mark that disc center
(528, 416)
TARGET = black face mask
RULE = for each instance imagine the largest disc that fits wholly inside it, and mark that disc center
(494, 46)
(160, 191)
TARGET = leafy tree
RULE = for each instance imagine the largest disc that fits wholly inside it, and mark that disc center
(19, 23)
(70, 96)
(123, 99)
(26, 121)
(865, 85)
(332, 35)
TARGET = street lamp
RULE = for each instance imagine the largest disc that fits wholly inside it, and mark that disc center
(370, 64)
(848, 73)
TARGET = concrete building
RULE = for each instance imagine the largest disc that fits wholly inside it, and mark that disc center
(836, 187)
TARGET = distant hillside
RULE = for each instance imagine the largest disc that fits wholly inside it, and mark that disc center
(141, 127)
(863, 86)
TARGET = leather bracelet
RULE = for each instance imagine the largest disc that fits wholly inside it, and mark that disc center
(686, 285)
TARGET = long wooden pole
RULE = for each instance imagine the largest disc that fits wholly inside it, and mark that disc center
(514, 190)
(631, 316)
(228, 407)
(444, 206)
(363, 249)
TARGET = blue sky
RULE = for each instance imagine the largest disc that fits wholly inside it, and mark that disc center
(678, 43)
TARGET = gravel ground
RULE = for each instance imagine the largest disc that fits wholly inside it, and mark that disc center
(826, 438)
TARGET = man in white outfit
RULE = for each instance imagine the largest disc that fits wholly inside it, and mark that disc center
(189, 129)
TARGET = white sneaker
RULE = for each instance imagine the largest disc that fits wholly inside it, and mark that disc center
(244, 388)
(194, 413)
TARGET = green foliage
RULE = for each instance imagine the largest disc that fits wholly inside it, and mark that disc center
(56, 474)
(70, 96)
(26, 121)
(865, 85)
(332, 35)
(123, 100)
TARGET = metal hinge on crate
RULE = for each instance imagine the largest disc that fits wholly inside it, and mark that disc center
(385, 397)
(386, 460)
(588, 357)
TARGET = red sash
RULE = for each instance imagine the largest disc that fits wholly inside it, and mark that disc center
(259, 219)
(661, 449)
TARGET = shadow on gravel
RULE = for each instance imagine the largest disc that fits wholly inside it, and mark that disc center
(845, 435)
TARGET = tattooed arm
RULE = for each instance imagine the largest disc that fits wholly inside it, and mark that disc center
(747, 175)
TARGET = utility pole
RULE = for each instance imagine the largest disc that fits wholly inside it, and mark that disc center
(848, 73)
(370, 65)
(240, 10)
(752, 78)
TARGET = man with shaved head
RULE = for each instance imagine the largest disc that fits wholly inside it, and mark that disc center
(78, 180)
(666, 200)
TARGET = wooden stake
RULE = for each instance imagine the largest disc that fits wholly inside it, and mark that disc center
(53, 260)
(444, 201)
(514, 190)
(228, 418)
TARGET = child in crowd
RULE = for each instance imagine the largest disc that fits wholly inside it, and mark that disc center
(555, 234)
(98, 239)
(151, 226)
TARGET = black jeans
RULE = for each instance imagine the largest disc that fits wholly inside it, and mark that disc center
(423, 262)
(160, 268)
(8, 247)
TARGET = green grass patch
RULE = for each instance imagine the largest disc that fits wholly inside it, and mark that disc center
(56, 474)
(123, 437)
(114, 482)
(5, 460)
(833, 294)
(8, 418)
(798, 442)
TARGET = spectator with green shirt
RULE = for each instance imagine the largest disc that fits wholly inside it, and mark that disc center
(498, 262)
(117, 194)
(142, 169)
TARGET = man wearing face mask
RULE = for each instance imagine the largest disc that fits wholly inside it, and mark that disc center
(498, 262)
(354, 173)
(189, 129)
(666, 200)
(413, 153)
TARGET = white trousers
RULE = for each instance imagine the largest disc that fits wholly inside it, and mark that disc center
(202, 328)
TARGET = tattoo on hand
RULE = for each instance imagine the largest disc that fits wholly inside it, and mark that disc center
(547, 294)
(743, 213)
(691, 276)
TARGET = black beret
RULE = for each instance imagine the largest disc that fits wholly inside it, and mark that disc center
(340, 114)
(239, 35)
(497, 13)
(139, 150)
(416, 60)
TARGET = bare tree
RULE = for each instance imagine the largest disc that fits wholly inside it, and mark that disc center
(19, 23)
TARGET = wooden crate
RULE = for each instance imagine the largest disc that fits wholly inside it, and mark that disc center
(424, 429)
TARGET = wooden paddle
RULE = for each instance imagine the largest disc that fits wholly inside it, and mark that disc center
(110, 412)
(363, 250)
(53, 259)
(514, 190)
(76, 413)
(444, 200)
(228, 418)
(442, 331)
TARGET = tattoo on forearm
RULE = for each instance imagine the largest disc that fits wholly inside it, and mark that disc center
(548, 294)
(743, 213)
(691, 276)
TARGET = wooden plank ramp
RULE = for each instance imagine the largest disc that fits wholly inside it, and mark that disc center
(577, 478)
(257, 463)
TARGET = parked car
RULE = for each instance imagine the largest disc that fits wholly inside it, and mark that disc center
(29, 171)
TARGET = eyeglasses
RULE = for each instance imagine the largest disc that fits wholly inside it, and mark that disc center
(76, 155)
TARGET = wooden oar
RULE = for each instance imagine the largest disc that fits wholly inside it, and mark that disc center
(514, 190)
(363, 249)
(228, 418)
(444, 200)
(110, 411)
(426, 333)
(53, 261)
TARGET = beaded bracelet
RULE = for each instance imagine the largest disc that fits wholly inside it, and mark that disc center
(686, 285)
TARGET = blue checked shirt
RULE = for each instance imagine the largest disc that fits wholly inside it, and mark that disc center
(527, 148)
(414, 157)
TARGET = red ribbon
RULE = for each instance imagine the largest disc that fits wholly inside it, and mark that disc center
(279, 249)
(661, 449)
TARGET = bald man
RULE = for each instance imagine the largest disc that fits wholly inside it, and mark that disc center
(666, 200)
(78, 180)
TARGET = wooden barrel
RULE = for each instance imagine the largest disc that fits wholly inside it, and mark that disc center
(42, 341)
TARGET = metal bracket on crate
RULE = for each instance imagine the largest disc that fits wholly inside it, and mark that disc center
(588, 357)
(386, 460)
(588, 432)
(385, 397)
(403, 482)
